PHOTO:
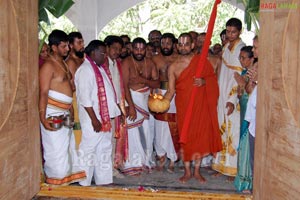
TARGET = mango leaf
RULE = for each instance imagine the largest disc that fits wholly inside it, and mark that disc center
(59, 7)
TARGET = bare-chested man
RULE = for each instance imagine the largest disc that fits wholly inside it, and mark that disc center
(154, 38)
(139, 75)
(74, 60)
(202, 137)
(194, 36)
(216, 62)
(56, 100)
(76, 54)
(166, 134)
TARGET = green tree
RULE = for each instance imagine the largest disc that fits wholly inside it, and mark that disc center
(174, 16)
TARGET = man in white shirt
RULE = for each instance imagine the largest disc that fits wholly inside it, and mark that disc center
(114, 46)
(97, 106)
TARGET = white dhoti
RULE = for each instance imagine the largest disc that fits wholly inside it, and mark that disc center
(95, 149)
(56, 152)
(226, 160)
(94, 156)
(140, 139)
(163, 142)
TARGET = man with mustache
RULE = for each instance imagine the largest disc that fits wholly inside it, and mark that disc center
(154, 38)
(202, 137)
(166, 134)
(55, 99)
(74, 60)
(76, 54)
(139, 75)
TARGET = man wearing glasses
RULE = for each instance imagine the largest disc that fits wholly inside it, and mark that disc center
(97, 106)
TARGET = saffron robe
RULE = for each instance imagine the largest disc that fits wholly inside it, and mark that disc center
(203, 137)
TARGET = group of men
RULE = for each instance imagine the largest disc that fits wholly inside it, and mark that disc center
(105, 87)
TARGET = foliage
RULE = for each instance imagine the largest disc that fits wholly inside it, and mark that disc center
(251, 13)
(56, 7)
(174, 16)
(62, 23)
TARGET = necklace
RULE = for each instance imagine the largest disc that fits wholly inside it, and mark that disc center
(139, 70)
(64, 67)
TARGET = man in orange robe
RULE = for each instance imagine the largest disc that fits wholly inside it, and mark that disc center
(203, 137)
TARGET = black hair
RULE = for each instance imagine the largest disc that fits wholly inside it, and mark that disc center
(111, 39)
(74, 35)
(93, 45)
(168, 35)
(56, 37)
(125, 36)
(248, 50)
(139, 40)
(223, 33)
(153, 31)
(186, 35)
(235, 22)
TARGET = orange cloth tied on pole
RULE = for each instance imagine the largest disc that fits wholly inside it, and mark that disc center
(201, 63)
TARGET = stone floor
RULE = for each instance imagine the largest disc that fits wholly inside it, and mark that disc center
(163, 180)
(154, 185)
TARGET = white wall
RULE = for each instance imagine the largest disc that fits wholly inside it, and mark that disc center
(90, 16)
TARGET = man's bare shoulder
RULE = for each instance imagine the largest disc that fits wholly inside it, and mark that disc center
(174, 56)
(48, 65)
(72, 64)
(172, 66)
(184, 58)
(214, 59)
(126, 62)
(71, 61)
(175, 64)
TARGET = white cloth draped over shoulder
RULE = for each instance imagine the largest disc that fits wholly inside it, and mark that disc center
(226, 160)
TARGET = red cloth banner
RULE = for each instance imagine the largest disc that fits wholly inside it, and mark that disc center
(201, 64)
